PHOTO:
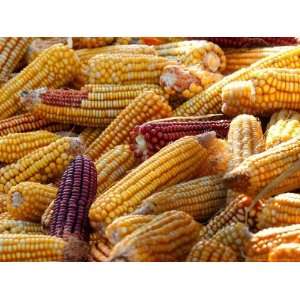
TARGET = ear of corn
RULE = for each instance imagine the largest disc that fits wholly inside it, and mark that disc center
(265, 92)
(19, 227)
(42, 165)
(283, 125)
(91, 42)
(55, 67)
(46, 217)
(210, 100)
(3, 203)
(113, 166)
(289, 252)
(168, 237)
(262, 243)
(16, 145)
(27, 201)
(123, 226)
(147, 106)
(76, 192)
(150, 137)
(177, 162)
(201, 198)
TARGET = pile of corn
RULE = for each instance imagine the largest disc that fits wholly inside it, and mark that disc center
(149, 149)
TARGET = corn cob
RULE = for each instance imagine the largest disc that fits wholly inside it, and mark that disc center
(91, 42)
(89, 134)
(46, 217)
(168, 237)
(211, 251)
(239, 58)
(210, 100)
(280, 210)
(177, 162)
(76, 192)
(150, 137)
(123, 40)
(289, 252)
(27, 201)
(267, 91)
(123, 226)
(37, 46)
(54, 68)
(234, 212)
(16, 145)
(239, 42)
(125, 68)
(259, 170)
(3, 203)
(36, 247)
(19, 227)
(283, 125)
(245, 138)
(186, 82)
(11, 52)
(262, 243)
(113, 166)
(100, 250)
(42, 165)
(201, 198)
(147, 106)
(59, 127)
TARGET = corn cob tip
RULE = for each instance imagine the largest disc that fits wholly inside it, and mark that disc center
(76, 146)
(31, 98)
(17, 199)
(236, 182)
(76, 250)
(205, 139)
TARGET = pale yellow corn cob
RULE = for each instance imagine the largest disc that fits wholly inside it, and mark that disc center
(20, 227)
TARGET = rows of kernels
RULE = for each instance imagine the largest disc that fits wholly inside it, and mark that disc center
(19, 227)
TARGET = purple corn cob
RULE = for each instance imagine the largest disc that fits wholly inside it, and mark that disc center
(150, 137)
(77, 190)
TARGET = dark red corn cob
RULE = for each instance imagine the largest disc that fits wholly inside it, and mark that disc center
(238, 42)
(150, 137)
(76, 192)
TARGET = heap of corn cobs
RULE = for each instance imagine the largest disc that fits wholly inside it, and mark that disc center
(149, 149)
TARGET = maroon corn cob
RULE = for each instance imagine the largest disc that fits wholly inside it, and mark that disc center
(76, 192)
(238, 42)
(150, 137)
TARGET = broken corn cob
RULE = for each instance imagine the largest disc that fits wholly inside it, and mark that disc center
(28, 201)
(201, 198)
(76, 192)
(19, 227)
(123, 226)
(42, 165)
(177, 162)
(168, 237)
(265, 92)
(150, 137)
(210, 100)
(289, 252)
(283, 125)
(55, 67)
(113, 166)
(149, 105)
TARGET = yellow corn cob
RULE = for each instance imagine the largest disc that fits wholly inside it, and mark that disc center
(210, 100)
(54, 68)
(177, 162)
(3, 203)
(125, 68)
(91, 42)
(146, 107)
(238, 58)
(263, 242)
(168, 237)
(42, 165)
(113, 165)
(89, 134)
(19, 227)
(123, 226)
(280, 210)
(201, 198)
(28, 200)
(46, 217)
(100, 249)
(283, 125)
(11, 52)
(212, 251)
(245, 138)
(16, 145)
(36, 247)
(265, 92)
(259, 170)
(289, 252)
